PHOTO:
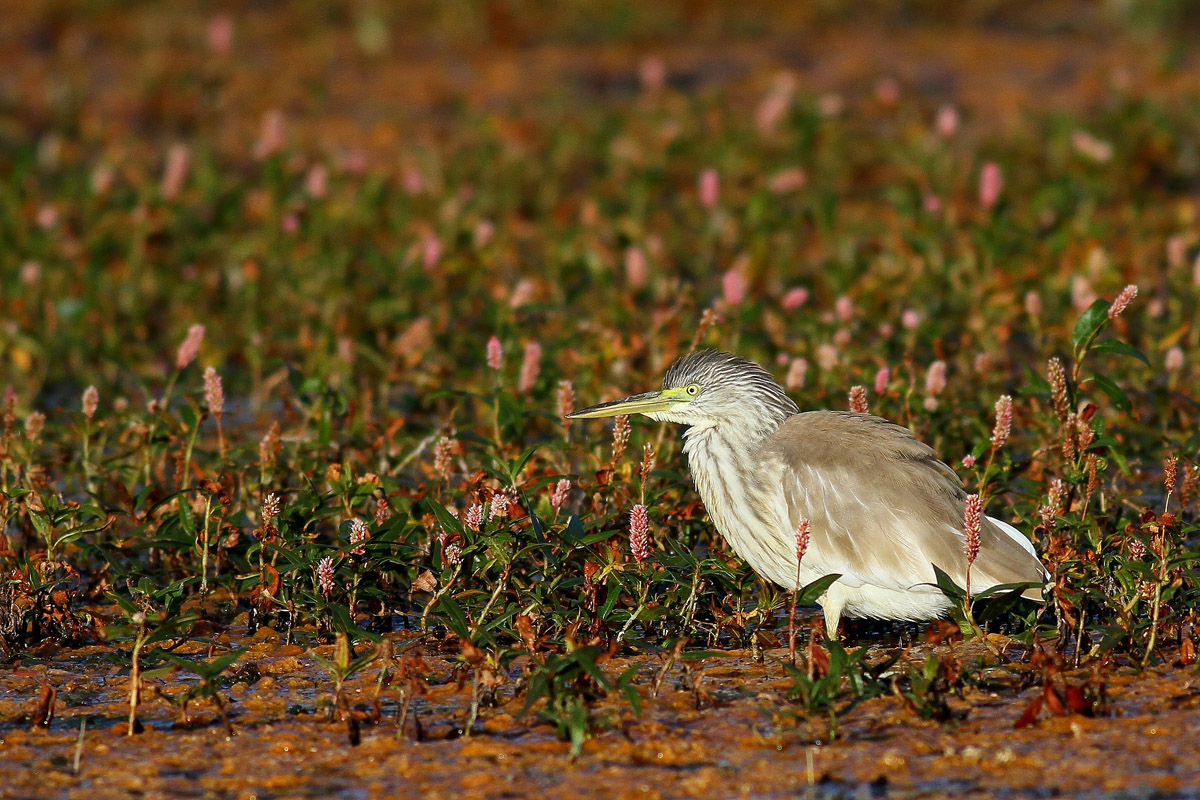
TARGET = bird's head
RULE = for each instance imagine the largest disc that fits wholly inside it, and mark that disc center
(705, 389)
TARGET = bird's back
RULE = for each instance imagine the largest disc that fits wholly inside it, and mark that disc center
(882, 508)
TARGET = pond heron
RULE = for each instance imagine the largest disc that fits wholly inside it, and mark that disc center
(882, 509)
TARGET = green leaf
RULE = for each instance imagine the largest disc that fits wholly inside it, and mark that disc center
(949, 588)
(1090, 322)
(809, 594)
(447, 520)
(1119, 348)
(1115, 393)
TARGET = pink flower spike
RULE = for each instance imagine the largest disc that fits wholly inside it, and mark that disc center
(220, 34)
(621, 431)
(475, 517)
(175, 173)
(495, 354)
(794, 298)
(947, 121)
(910, 319)
(1004, 418)
(1173, 361)
(844, 308)
(796, 374)
(190, 347)
(325, 576)
(968, 461)
(359, 533)
(531, 364)
(639, 532)
(270, 138)
(636, 272)
(709, 188)
(733, 286)
(499, 507)
(562, 493)
(316, 181)
(1122, 302)
(91, 401)
(882, 377)
(566, 399)
(803, 537)
(972, 525)
(991, 184)
(858, 400)
(214, 394)
(935, 378)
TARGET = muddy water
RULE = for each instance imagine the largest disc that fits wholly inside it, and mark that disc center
(726, 730)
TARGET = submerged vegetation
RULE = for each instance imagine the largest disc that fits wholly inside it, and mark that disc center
(280, 382)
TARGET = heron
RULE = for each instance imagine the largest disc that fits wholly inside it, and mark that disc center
(882, 509)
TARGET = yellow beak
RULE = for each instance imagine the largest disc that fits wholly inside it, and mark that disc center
(646, 403)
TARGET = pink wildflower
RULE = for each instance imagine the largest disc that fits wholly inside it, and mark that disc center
(495, 354)
(1122, 302)
(325, 576)
(1176, 251)
(531, 363)
(639, 532)
(858, 400)
(709, 188)
(1173, 360)
(653, 73)
(431, 252)
(844, 308)
(562, 493)
(881, 380)
(190, 347)
(972, 525)
(31, 272)
(316, 181)
(91, 401)
(179, 158)
(1033, 304)
(522, 294)
(359, 533)
(636, 272)
(794, 298)
(733, 286)
(621, 430)
(935, 378)
(803, 537)
(787, 180)
(35, 423)
(1004, 418)
(1056, 376)
(220, 34)
(910, 319)
(796, 374)
(566, 398)
(499, 506)
(270, 138)
(647, 462)
(271, 507)
(991, 183)
(968, 461)
(475, 517)
(947, 121)
(214, 394)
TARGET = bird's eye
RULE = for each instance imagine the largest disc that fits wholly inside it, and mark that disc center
(693, 389)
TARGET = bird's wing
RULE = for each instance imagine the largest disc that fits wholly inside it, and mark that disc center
(882, 508)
